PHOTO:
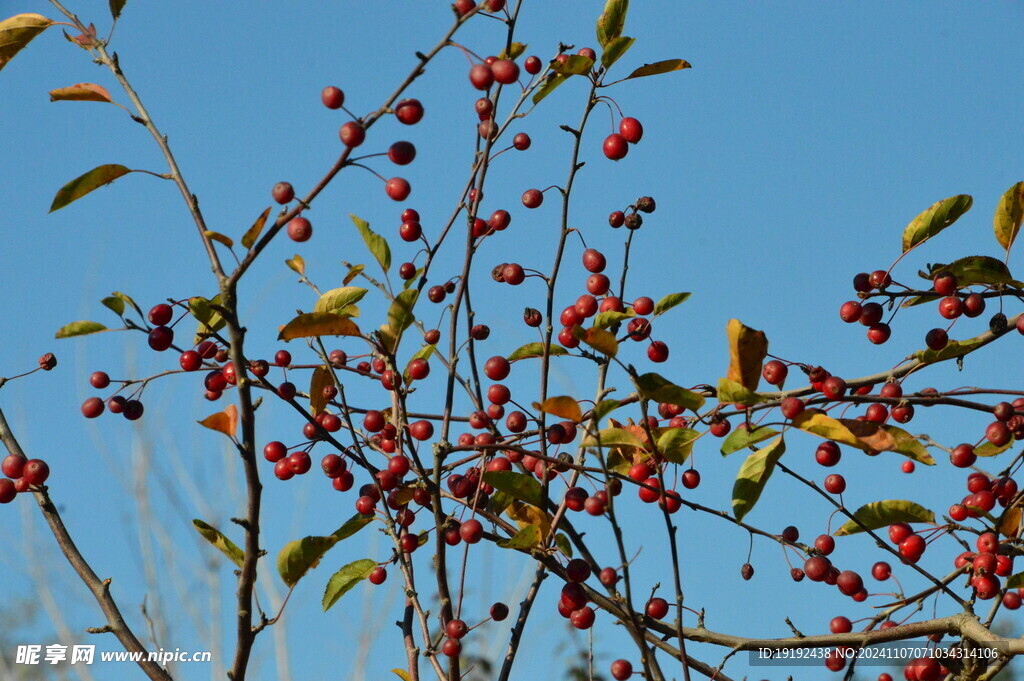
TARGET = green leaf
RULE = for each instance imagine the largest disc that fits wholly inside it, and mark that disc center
(375, 242)
(528, 537)
(1009, 215)
(977, 269)
(952, 350)
(317, 324)
(17, 32)
(935, 219)
(220, 542)
(562, 542)
(351, 526)
(742, 437)
(514, 51)
(400, 315)
(986, 449)
(676, 444)
(659, 67)
(536, 350)
(127, 299)
(656, 388)
(515, 485)
(608, 318)
(115, 8)
(79, 329)
(547, 86)
(613, 437)
(253, 233)
(668, 302)
(342, 581)
(908, 445)
(753, 477)
(81, 92)
(339, 298)
(115, 304)
(1015, 581)
(612, 21)
(353, 272)
(300, 556)
(603, 408)
(562, 406)
(499, 501)
(83, 184)
(880, 514)
(210, 321)
(297, 265)
(574, 65)
(734, 393)
(599, 339)
(615, 49)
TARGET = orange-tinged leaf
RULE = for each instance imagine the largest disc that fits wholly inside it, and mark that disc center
(318, 324)
(871, 434)
(81, 92)
(253, 233)
(322, 377)
(1009, 522)
(747, 349)
(223, 421)
(563, 406)
(17, 32)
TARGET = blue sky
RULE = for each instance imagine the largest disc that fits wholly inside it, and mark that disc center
(789, 158)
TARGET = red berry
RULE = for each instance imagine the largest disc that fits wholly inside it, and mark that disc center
(352, 134)
(657, 608)
(657, 351)
(332, 98)
(631, 130)
(35, 472)
(409, 111)
(615, 147)
(532, 198)
(299, 229)
(402, 153)
(835, 484)
(505, 71)
(91, 408)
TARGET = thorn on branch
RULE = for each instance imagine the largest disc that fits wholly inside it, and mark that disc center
(105, 629)
(422, 57)
(570, 130)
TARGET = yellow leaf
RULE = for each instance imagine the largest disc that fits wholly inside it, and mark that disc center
(17, 32)
(563, 406)
(747, 349)
(297, 265)
(525, 515)
(318, 324)
(219, 238)
(402, 674)
(223, 421)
